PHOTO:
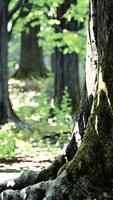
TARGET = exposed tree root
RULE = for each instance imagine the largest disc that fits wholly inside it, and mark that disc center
(33, 177)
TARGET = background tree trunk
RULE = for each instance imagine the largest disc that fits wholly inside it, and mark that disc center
(66, 67)
(31, 58)
(6, 112)
(67, 75)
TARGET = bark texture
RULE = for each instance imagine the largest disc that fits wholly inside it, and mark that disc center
(31, 58)
(6, 112)
(66, 67)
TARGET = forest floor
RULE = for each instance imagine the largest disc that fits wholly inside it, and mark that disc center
(27, 160)
(43, 139)
(10, 169)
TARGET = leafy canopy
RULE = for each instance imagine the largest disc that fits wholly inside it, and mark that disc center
(44, 14)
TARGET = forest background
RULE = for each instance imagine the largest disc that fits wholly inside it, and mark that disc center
(44, 75)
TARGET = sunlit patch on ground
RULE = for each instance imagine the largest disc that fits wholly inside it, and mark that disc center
(46, 136)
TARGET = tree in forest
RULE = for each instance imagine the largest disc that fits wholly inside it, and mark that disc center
(31, 56)
(6, 112)
(89, 174)
(66, 65)
(7, 14)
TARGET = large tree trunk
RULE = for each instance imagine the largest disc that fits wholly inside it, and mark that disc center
(89, 175)
(6, 112)
(66, 67)
(93, 163)
(31, 58)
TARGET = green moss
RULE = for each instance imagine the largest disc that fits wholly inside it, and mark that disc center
(44, 175)
(51, 171)
(62, 169)
(80, 190)
(86, 155)
(105, 129)
(94, 156)
(104, 114)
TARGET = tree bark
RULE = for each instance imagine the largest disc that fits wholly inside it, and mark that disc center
(6, 112)
(89, 175)
(66, 67)
(67, 75)
(31, 58)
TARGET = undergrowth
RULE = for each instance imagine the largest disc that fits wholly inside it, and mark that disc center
(50, 126)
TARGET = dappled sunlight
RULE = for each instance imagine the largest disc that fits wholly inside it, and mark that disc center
(48, 135)
(8, 126)
(36, 117)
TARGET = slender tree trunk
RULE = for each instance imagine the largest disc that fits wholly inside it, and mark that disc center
(67, 75)
(31, 58)
(66, 68)
(6, 112)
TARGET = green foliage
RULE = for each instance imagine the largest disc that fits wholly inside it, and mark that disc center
(11, 5)
(67, 41)
(7, 141)
(74, 42)
(46, 2)
(78, 12)
(39, 14)
(48, 39)
(63, 114)
(66, 102)
(33, 107)
(44, 13)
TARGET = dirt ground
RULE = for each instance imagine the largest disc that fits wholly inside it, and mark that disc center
(12, 169)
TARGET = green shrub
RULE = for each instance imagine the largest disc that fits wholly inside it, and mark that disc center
(7, 142)
(63, 114)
